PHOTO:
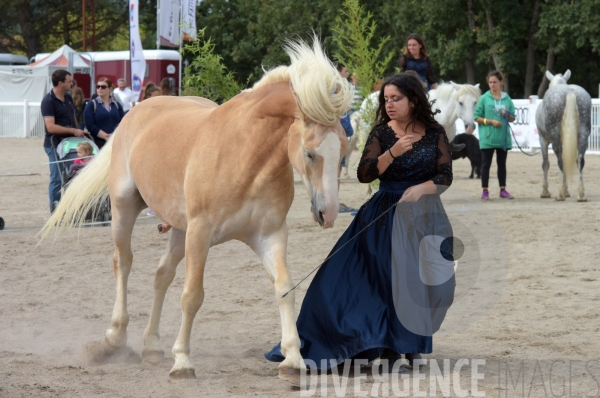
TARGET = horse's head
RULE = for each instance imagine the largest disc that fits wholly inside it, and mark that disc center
(315, 151)
(558, 78)
(466, 97)
(316, 138)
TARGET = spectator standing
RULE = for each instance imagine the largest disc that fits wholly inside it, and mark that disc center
(58, 112)
(125, 94)
(79, 103)
(415, 58)
(166, 87)
(103, 114)
(490, 113)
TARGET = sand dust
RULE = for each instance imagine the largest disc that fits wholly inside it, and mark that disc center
(57, 298)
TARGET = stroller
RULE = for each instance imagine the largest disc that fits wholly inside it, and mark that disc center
(66, 153)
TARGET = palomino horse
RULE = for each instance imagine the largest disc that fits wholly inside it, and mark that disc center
(455, 101)
(564, 120)
(216, 173)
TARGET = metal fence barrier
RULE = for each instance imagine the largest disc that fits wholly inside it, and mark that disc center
(24, 119)
(21, 119)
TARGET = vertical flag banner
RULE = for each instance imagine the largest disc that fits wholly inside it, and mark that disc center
(188, 20)
(169, 23)
(136, 53)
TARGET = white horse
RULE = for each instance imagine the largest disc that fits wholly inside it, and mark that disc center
(455, 101)
(564, 119)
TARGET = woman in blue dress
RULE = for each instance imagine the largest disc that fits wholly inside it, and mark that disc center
(415, 58)
(386, 291)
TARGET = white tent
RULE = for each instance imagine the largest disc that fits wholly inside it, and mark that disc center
(60, 57)
(31, 83)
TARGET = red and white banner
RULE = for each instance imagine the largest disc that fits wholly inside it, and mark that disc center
(188, 19)
(169, 22)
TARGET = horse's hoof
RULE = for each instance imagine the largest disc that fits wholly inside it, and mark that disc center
(153, 356)
(182, 374)
(582, 199)
(560, 199)
(545, 196)
(567, 195)
(290, 375)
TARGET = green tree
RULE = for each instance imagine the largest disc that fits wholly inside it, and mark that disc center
(206, 76)
(34, 26)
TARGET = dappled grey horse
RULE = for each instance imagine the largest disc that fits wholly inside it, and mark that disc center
(564, 120)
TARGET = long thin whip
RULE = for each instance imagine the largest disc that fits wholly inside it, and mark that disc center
(332, 254)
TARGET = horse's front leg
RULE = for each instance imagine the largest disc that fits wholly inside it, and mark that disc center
(162, 280)
(197, 244)
(272, 250)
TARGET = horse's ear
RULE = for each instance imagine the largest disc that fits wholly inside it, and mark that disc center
(567, 75)
(476, 86)
(456, 86)
(549, 75)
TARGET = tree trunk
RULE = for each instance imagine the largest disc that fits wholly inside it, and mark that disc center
(470, 60)
(29, 32)
(495, 58)
(550, 58)
(529, 70)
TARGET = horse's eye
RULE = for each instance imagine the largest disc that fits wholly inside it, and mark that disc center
(309, 155)
(460, 103)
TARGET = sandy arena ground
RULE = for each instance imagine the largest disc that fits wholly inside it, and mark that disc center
(57, 297)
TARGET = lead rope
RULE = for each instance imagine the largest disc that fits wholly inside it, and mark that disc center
(332, 254)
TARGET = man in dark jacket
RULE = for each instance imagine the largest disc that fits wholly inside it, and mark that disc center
(58, 112)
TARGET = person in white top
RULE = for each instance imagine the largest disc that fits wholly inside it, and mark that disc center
(124, 93)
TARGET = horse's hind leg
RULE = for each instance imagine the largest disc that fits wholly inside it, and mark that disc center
(162, 280)
(272, 251)
(563, 191)
(197, 244)
(545, 167)
(125, 209)
(580, 162)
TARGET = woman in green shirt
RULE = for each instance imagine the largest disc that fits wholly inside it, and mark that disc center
(490, 114)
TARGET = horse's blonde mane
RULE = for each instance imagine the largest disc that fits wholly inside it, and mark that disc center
(322, 94)
(446, 91)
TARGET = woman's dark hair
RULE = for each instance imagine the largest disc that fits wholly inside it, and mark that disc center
(419, 39)
(148, 92)
(165, 87)
(409, 84)
(495, 73)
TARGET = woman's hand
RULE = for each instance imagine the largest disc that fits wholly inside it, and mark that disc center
(496, 123)
(103, 135)
(403, 145)
(412, 194)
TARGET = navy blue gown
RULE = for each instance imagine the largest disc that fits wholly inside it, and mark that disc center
(391, 286)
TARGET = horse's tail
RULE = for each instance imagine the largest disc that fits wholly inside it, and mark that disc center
(84, 194)
(569, 131)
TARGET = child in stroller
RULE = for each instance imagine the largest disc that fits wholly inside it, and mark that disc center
(73, 154)
(85, 152)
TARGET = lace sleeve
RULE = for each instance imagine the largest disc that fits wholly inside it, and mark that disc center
(367, 168)
(443, 176)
